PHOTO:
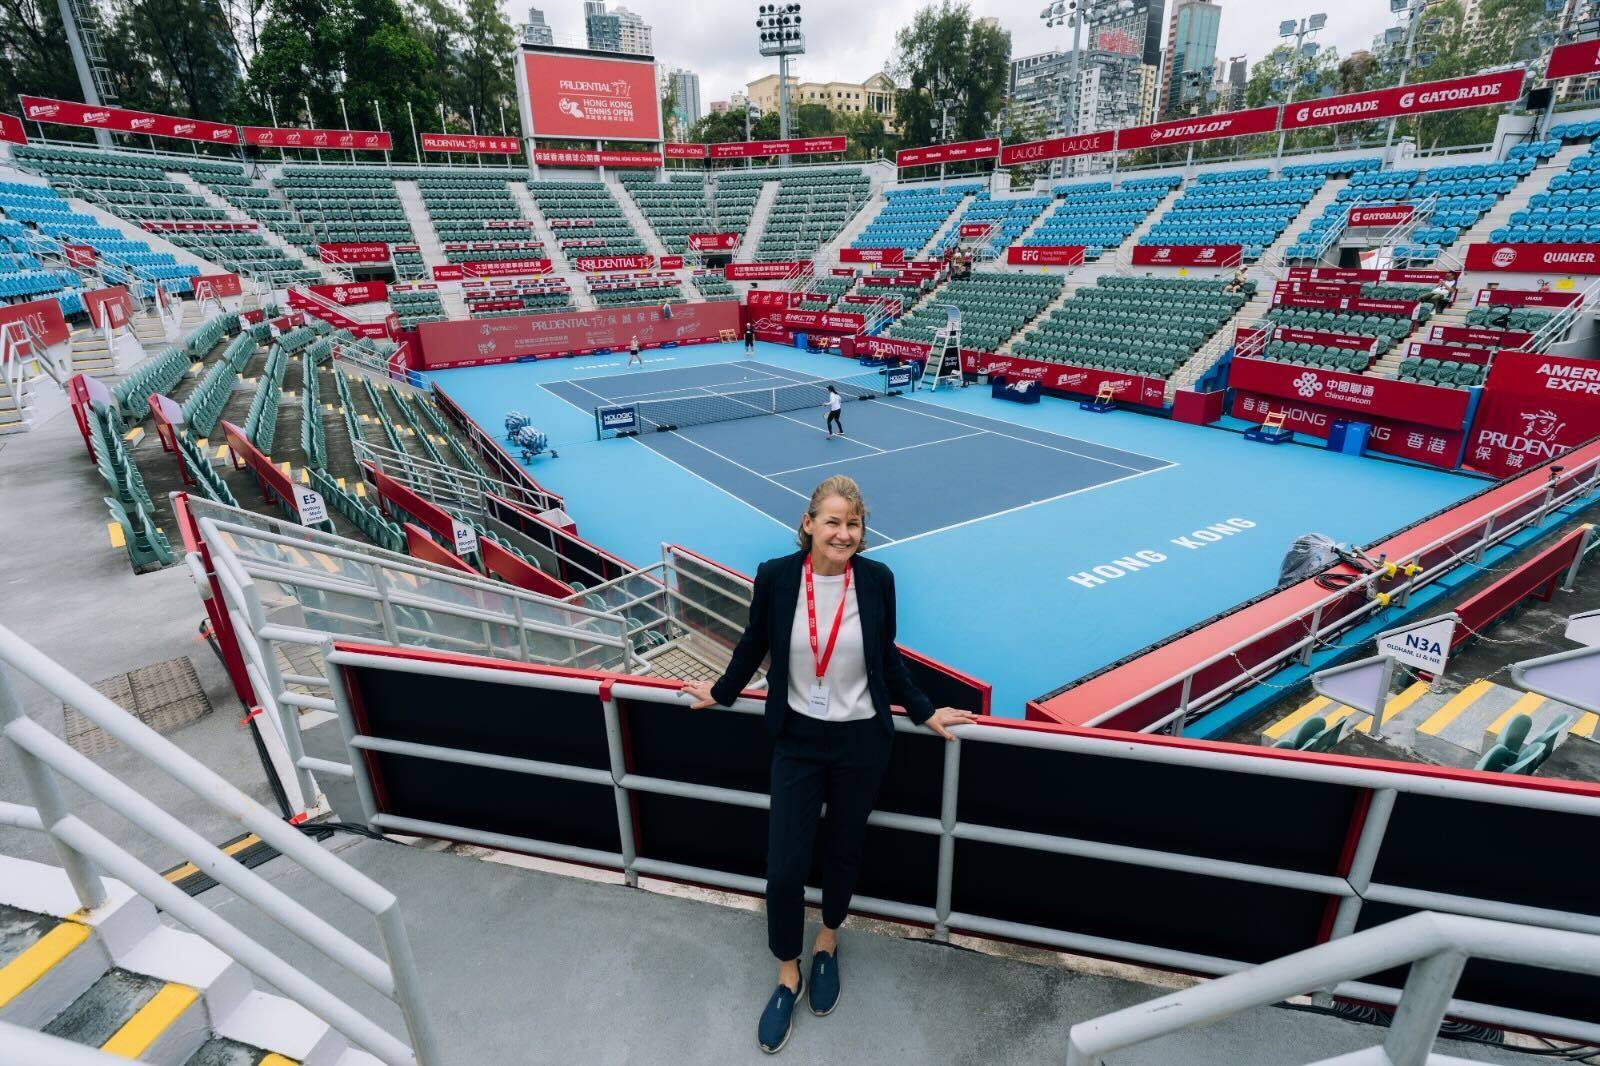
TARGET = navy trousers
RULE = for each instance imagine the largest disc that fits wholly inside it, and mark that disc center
(840, 764)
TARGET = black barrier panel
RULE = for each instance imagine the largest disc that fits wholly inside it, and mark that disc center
(895, 865)
(1553, 992)
(1493, 851)
(1139, 904)
(942, 689)
(579, 562)
(1217, 813)
(496, 719)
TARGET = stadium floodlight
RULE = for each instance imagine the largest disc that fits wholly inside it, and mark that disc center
(779, 33)
(1317, 22)
(1287, 27)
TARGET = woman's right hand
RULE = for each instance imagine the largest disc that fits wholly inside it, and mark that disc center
(701, 691)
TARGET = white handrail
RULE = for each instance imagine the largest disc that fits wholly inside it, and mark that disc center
(1436, 946)
(1563, 319)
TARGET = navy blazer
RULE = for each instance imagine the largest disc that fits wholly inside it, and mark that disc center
(777, 591)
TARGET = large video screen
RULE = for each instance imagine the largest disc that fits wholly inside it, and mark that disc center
(592, 99)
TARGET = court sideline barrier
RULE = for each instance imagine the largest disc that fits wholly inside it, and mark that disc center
(1005, 833)
(1535, 577)
(1169, 684)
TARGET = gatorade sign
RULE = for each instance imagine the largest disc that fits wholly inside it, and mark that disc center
(1423, 645)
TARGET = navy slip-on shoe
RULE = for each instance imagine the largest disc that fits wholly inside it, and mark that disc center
(825, 984)
(777, 1020)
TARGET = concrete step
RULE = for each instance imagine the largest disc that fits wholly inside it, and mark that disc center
(134, 1016)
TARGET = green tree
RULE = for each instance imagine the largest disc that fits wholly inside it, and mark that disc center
(1017, 125)
(866, 136)
(176, 55)
(945, 57)
(483, 66)
(718, 127)
(33, 52)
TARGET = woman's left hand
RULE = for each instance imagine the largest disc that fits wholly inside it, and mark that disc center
(945, 717)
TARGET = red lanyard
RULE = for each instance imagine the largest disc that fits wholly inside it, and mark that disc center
(821, 658)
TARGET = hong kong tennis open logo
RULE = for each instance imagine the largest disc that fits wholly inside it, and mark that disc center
(1504, 257)
(1307, 385)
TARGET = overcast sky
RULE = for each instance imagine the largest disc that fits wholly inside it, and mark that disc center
(847, 40)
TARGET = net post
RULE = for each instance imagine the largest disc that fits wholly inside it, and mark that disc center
(599, 434)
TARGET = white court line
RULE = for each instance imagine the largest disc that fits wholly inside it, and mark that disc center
(756, 473)
(726, 492)
(1025, 506)
(691, 390)
(884, 451)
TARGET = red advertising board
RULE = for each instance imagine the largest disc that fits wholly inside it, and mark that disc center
(713, 242)
(671, 262)
(1078, 380)
(199, 227)
(1478, 336)
(1525, 298)
(589, 98)
(1476, 90)
(765, 271)
(1015, 155)
(1364, 305)
(502, 268)
(363, 292)
(843, 272)
(80, 255)
(770, 299)
(872, 255)
(1318, 288)
(824, 321)
(1405, 277)
(209, 286)
(1574, 60)
(447, 272)
(70, 113)
(568, 157)
(1534, 407)
(680, 150)
(1452, 352)
(792, 146)
(353, 252)
(988, 148)
(891, 305)
(1380, 215)
(1414, 421)
(1535, 258)
(289, 137)
(11, 130)
(892, 348)
(1328, 340)
(500, 340)
(468, 142)
(1045, 255)
(592, 263)
(1208, 128)
(1202, 255)
(42, 317)
(109, 307)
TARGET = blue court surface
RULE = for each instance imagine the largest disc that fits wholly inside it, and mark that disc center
(1032, 544)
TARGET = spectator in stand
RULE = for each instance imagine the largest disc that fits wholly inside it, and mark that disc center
(1443, 294)
(1543, 286)
(1239, 275)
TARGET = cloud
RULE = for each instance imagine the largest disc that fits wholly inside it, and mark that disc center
(848, 40)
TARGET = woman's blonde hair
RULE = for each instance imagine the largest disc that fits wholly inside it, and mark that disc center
(847, 490)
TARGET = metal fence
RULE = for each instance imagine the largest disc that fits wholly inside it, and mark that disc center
(85, 853)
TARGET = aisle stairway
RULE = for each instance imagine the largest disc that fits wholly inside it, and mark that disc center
(421, 222)
(273, 239)
(758, 222)
(635, 216)
(944, 227)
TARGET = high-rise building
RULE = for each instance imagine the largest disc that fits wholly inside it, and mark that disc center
(537, 31)
(685, 86)
(1111, 74)
(1191, 56)
(616, 31)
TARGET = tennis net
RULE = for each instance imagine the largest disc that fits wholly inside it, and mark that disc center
(686, 411)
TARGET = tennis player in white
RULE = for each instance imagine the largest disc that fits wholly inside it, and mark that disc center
(835, 404)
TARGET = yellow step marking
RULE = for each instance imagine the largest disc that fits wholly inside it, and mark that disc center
(222, 451)
(1454, 708)
(114, 531)
(20, 973)
(1289, 723)
(361, 489)
(134, 435)
(339, 481)
(1526, 704)
(305, 478)
(276, 1059)
(151, 1020)
(284, 466)
(202, 443)
(1586, 723)
(1395, 704)
(326, 562)
(189, 869)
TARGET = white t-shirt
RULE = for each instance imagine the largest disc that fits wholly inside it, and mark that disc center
(834, 403)
(846, 677)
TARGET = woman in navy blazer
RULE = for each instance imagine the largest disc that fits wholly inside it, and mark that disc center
(827, 617)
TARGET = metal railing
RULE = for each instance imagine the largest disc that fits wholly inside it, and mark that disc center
(1486, 531)
(285, 586)
(450, 487)
(955, 838)
(1435, 946)
(85, 852)
(1559, 323)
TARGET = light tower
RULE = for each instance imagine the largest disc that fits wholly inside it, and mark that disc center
(778, 33)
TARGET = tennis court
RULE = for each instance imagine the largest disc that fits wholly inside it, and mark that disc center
(1032, 544)
(903, 452)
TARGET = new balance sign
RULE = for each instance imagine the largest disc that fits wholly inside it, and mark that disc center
(1203, 255)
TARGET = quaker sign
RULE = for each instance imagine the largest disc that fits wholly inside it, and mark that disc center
(1186, 255)
(1045, 255)
(353, 252)
(1535, 258)
(1534, 407)
(872, 255)
(959, 152)
(1380, 215)
(1209, 128)
(1014, 155)
(1477, 90)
